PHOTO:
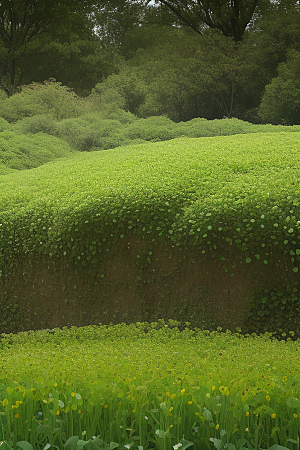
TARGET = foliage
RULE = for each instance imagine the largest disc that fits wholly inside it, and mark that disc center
(49, 98)
(21, 23)
(19, 152)
(218, 195)
(48, 397)
(281, 100)
(230, 18)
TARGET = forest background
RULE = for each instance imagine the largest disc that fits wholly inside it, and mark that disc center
(181, 59)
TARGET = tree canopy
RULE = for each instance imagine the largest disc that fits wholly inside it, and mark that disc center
(182, 59)
(230, 17)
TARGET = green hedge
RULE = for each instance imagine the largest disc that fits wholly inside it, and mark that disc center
(114, 127)
(216, 196)
(18, 152)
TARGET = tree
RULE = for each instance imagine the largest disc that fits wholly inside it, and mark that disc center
(231, 17)
(281, 99)
(21, 22)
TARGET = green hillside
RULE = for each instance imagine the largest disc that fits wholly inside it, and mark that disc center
(130, 223)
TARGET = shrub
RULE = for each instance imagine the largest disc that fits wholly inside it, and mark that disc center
(25, 152)
(49, 97)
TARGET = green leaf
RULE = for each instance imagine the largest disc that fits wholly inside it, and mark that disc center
(24, 445)
(293, 402)
(185, 444)
(217, 443)
(248, 260)
(278, 447)
(231, 446)
(90, 445)
(71, 443)
(161, 434)
(113, 445)
(295, 269)
(207, 414)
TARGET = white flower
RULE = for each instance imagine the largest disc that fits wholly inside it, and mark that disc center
(247, 429)
(146, 417)
(177, 446)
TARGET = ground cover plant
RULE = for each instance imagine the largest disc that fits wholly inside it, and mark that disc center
(234, 199)
(147, 386)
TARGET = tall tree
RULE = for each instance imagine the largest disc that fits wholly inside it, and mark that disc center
(21, 21)
(231, 17)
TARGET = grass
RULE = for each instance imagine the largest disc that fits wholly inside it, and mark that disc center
(150, 385)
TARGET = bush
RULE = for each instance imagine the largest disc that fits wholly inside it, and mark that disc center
(49, 97)
(4, 125)
(39, 123)
(156, 128)
(25, 152)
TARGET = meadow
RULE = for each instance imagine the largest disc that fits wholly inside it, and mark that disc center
(148, 386)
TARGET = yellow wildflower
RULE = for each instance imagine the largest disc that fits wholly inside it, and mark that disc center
(73, 394)
(295, 415)
(213, 388)
(268, 398)
(217, 426)
(190, 402)
(224, 390)
(106, 405)
(55, 385)
(57, 413)
(273, 416)
(5, 402)
(173, 396)
(79, 411)
(182, 391)
(17, 416)
(134, 410)
(247, 413)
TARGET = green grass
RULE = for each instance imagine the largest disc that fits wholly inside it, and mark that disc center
(149, 385)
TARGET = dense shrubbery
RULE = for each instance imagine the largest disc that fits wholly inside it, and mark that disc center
(18, 152)
(48, 98)
(98, 122)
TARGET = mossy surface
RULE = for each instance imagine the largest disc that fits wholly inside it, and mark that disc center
(210, 222)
